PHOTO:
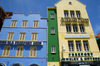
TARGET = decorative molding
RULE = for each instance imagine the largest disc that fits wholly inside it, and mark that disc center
(26, 27)
(21, 57)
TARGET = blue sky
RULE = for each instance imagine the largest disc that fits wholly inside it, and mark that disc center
(40, 6)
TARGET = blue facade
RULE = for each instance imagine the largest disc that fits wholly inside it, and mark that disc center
(41, 52)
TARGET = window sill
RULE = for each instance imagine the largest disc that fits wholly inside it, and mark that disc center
(53, 52)
(83, 32)
(52, 33)
(51, 18)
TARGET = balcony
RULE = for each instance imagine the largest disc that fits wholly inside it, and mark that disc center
(80, 59)
(21, 42)
(74, 19)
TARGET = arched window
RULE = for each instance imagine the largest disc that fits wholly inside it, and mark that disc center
(1, 64)
(17, 64)
(34, 65)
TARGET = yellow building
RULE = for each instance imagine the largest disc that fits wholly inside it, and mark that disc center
(77, 44)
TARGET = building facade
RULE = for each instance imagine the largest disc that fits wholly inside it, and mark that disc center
(53, 44)
(77, 44)
(23, 40)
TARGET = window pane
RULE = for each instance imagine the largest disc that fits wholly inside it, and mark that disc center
(24, 23)
(68, 27)
(51, 15)
(66, 13)
(13, 24)
(71, 46)
(22, 36)
(6, 51)
(81, 27)
(10, 35)
(78, 45)
(35, 23)
(34, 36)
(32, 51)
(75, 29)
(72, 13)
(86, 47)
(53, 49)
(19, 51)
(78, 14)
(52, 30)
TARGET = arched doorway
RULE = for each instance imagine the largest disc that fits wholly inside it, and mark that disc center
(1, 64)
(34, 65)
(17, 64)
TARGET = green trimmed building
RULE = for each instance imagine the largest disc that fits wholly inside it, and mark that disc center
(53, 43)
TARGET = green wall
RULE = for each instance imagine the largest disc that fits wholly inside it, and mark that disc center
(53, 38)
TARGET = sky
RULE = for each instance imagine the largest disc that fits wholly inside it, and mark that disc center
(40, 6)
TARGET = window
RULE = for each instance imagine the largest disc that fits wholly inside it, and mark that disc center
(75, 28)
(78, 14)
(72, 13)
(70, 45)
(34, 36)
(81, 27)
(70, 3)
(53, 50)
(1, 64)
(10, 35)
(33, 51)
(34, 65)
(35, 23)
(19, 51)
(66, 13)
(51, 16)
(86, 47)
(52, 31)
(24, 23)
(78, 45)
(6, 51)
(22, 36)
(13, 24)
(68, 27)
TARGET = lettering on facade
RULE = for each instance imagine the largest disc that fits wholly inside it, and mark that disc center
(76, 36)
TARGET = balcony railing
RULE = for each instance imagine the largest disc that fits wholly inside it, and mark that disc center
(73, 19)
(21, 42)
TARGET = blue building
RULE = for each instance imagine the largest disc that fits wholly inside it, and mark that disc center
(23, 40)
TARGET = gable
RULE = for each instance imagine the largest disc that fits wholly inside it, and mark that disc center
(74, 3)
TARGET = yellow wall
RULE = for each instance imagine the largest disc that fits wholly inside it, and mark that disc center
(76, 5)
(53, 63)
